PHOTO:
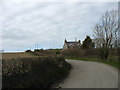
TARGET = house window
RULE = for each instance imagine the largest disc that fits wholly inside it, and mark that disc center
(71, 45)
(78, 45)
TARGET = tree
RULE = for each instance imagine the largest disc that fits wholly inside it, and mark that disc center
(106, 32)
(87, 43)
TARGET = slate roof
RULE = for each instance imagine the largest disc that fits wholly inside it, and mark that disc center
(73, 43)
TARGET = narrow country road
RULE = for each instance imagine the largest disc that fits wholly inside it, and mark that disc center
(86, 74)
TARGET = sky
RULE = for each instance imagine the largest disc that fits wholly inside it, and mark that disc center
(25, 24)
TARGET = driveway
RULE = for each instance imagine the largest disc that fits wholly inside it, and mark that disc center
(86, 74)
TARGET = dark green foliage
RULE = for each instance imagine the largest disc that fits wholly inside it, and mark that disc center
(38, 50)
(41, 52)
(57, 52)
(29, 51)
(87, 43)
(38, 72)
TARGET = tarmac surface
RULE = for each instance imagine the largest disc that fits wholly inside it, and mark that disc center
(86, 74)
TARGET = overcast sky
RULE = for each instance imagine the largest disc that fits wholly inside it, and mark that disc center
(48, 23)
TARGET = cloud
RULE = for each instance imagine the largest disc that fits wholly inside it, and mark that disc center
(48, 23)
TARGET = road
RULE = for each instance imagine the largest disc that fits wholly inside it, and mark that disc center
(86, 74)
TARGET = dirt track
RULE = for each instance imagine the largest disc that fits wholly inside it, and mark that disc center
(90, 75)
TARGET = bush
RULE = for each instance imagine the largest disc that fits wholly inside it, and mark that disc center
(80, 53)
(95, 53)
(29, 51)
(57, 52)
(37, 72)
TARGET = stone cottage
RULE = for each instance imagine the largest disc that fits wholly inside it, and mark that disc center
(71, 44)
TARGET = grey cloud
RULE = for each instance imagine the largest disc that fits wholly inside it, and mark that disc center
(49, 24)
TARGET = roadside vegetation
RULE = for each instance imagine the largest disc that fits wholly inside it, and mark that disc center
(34, 71)
(92, 55)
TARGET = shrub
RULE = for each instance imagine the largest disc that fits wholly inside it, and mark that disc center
(57, 52)
(94, 53)
(29, 51)
(80, 53)
(37, 72)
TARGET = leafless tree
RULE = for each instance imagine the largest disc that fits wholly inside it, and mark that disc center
(106, 32)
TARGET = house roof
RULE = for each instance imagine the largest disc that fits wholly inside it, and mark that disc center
(73, 43)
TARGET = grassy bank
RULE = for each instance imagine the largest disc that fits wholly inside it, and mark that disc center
(112, 63)
(33, 72)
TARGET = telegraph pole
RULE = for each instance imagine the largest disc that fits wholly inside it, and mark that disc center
(18, 49)
(37, 45)
(76, 39)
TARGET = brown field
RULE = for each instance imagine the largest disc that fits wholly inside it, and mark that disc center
(16, 55)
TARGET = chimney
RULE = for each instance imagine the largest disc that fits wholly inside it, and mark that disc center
(75, 39)
(65, 41)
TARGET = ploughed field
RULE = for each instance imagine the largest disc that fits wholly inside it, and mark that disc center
(16, 55)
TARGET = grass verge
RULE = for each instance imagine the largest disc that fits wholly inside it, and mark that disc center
(112, 63)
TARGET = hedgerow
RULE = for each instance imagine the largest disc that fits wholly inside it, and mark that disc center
(36, 72)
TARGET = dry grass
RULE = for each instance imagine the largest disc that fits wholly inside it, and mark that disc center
(16, 55)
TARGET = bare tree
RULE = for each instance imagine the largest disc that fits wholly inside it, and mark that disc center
(106, 32)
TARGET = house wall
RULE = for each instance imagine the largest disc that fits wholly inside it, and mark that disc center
(65, 46)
